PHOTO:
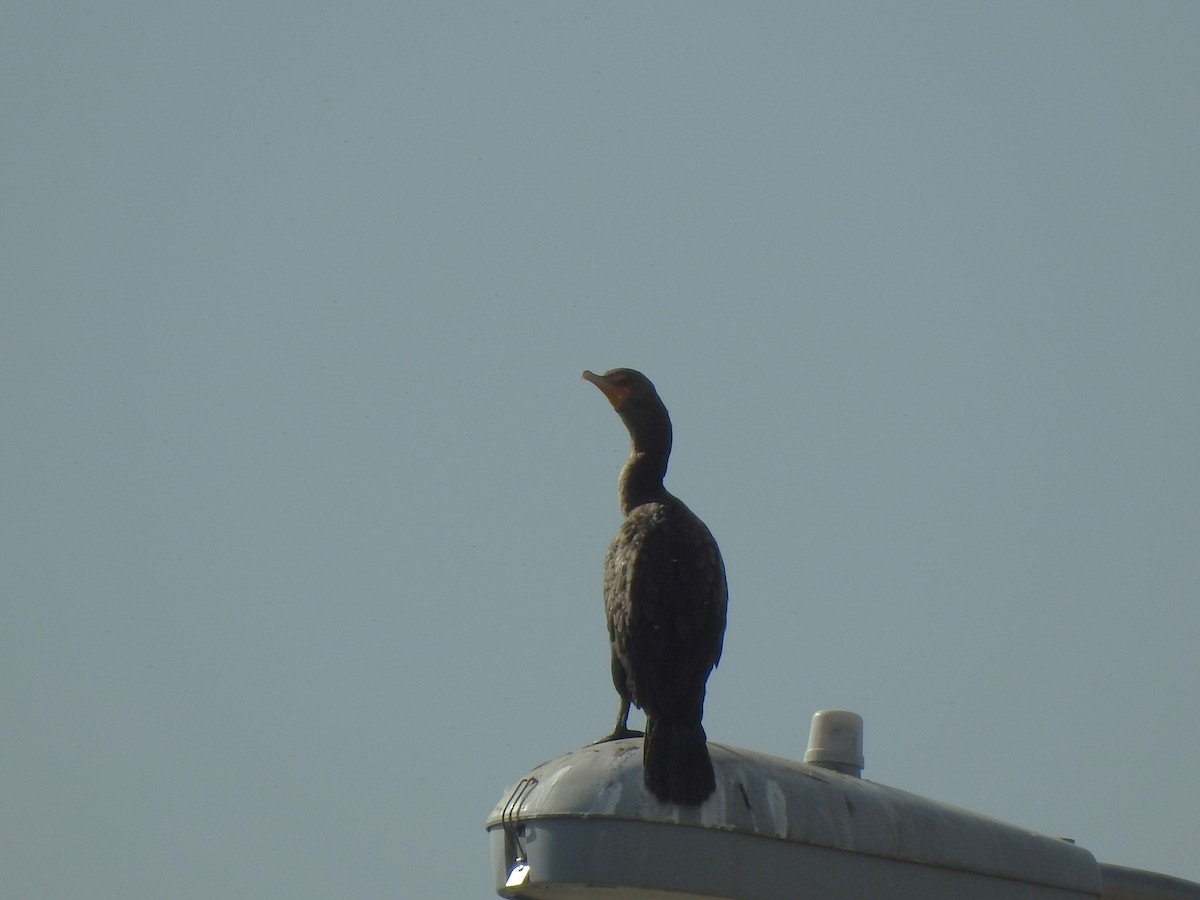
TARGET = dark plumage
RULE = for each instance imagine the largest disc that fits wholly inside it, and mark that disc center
(665, 598)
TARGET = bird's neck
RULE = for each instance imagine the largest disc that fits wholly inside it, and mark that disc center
(641, 479)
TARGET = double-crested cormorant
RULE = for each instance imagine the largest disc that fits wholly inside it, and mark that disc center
(665, 598)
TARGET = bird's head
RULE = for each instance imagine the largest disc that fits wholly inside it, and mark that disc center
(636, 401)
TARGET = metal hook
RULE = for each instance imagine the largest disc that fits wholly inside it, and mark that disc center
(519, 874)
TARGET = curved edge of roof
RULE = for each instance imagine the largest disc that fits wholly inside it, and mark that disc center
(780, 799)
(1124, 883)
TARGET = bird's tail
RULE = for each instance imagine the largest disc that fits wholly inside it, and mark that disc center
(675, 762)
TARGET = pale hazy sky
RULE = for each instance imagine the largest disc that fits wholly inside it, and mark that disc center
(304, 502)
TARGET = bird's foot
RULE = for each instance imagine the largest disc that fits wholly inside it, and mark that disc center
(619, 734)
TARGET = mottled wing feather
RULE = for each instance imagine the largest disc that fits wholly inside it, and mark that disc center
(665, 599)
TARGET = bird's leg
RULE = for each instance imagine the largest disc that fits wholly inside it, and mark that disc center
(622, 729)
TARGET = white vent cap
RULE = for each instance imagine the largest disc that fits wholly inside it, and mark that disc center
(836, 742)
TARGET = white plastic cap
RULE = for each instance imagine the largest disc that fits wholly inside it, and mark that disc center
(836, 742)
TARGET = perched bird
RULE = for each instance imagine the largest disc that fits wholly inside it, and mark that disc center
(664, 597)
